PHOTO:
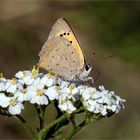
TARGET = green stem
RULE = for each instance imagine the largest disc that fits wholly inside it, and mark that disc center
(5, 114)
(41, 113)
(44, 131)
(81, 125)
(81, 109)
(26, 126)
(54, 129)
(75, 130)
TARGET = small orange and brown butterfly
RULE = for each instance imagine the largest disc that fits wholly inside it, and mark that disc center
(63, 55)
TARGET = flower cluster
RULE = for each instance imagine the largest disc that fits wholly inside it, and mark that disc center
(42, 89)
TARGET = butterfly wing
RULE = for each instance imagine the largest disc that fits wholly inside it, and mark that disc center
(59, 56)
(63, 29)
(62, 53)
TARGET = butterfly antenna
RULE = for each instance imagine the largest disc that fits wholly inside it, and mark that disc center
(108, 57)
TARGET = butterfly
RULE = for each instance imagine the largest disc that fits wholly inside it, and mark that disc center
(62, 54)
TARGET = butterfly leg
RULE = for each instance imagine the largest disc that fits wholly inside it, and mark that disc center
(92, 81)
(72, 81)
(89, 79)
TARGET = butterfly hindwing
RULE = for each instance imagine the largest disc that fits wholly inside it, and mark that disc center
(59, 55)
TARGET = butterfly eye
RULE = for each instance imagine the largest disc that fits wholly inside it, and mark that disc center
(71, 42)
(87, 67)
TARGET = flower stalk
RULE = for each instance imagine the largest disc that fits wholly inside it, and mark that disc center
(41, 113)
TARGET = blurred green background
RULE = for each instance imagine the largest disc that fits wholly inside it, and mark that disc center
(104, 28)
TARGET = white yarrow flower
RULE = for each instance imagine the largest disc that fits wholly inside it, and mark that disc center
(22, 93)
(70, 92)
(40, 89)
(53, 92)
(103, 110)
(2, 84)
(101, 101)
(88, 93)
(25, 77)
(4, 100)
(37, 94)
(48, 80)
(66, 105)
(11, 85)
(15, 106)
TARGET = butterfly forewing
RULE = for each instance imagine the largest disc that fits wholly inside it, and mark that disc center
(62, 28)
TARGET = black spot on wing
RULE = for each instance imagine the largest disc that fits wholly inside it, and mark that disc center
(61, 35)
(65, 34)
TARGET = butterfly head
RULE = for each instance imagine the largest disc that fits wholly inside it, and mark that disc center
(83, 76)
(87, 67)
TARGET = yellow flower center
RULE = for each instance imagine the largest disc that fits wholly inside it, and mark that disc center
(24, 73)
(13, 102)
(51, 74)
(63, 101)
(68, 111)
(24, 90)
(1, 75)
(57, 88)
(14, 81)
(40, 92)
(35, 71)
(71, 87)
